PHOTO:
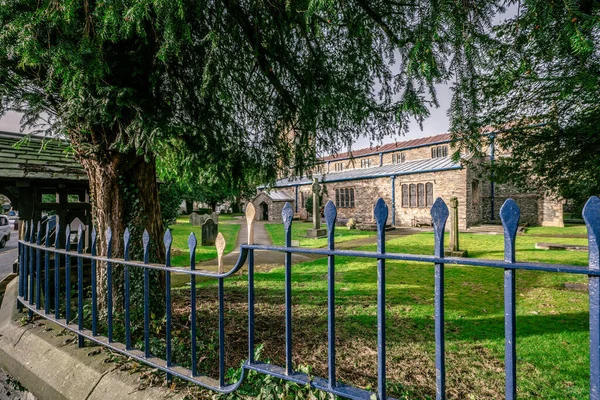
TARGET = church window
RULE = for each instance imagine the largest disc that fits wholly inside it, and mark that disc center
(339, 167)
(413, 195)
(398, 158)
(429, 194)
(404, 195)
(439, 151)
(344, 198)
(365, 163)
(420, 195)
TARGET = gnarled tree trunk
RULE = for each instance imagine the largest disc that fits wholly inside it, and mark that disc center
(124, 194)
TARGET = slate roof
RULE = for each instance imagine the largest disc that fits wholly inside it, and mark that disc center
(386, 148)
(37, 159)
(387, 170)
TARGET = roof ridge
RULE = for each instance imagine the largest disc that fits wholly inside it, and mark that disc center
(388, 147)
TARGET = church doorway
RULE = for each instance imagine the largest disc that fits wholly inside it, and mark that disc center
(265, 211)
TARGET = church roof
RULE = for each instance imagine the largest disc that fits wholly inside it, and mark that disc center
(37, 158)
(406, 168)
(386, 148)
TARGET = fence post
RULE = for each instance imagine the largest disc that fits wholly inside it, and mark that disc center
(109, 297)
(57, 274)
(250, 214)
(380, 212)
(80, 283)
(510, 215)
(126, 242)
(168, 240)
(287, 214)
(330, 218)
(591, 216)
(47, 271)
(192, 243)
(146, 246)
(38, 268)
(68, 275)
(439, 216)
(94, 283)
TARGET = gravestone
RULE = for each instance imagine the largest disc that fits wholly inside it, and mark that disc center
(215, 217)
(316, 231)
(195, 219)
(209, 232)
(454, 250)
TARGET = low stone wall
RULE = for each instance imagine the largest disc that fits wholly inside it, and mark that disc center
(52, 369)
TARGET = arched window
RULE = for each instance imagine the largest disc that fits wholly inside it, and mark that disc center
(429, 194)
(413, 195)
(420, 195)
(405, 196)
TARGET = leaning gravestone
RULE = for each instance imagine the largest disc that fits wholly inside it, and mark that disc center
(209, 232)
(215, 217)
(195, 219)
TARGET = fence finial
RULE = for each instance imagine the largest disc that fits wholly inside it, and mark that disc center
(439, 217)
(192, 242)
(145, 240)
(168, 239)
(68, 237)
(380, 212)
(80, 238)
(510, 215)
(591, 216)
(330, 214)
(47, 235)
(220, 244)
(287, 214)
(39, 232)
(250, 214)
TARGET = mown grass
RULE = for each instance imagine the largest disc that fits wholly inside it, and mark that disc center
(569, 229)
(552, 321)
(342, 234)
(181, 231)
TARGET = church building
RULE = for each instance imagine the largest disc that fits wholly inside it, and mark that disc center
(409, 176)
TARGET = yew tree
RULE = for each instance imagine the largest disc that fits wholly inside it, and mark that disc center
(272, 83)
(540, 77)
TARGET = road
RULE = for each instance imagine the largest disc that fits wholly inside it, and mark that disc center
(8, 255)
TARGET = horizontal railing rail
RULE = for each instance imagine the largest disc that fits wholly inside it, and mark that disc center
(57, 306)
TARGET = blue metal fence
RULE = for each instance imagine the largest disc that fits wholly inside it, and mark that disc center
(30, 284)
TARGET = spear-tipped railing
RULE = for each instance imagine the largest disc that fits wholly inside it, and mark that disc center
(31, 276)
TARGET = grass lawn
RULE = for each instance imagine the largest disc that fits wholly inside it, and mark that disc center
(569, 229)
(342, 234)
(180, 254)
(552, 321)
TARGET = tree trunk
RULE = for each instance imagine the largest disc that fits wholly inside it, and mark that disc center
(124, 193)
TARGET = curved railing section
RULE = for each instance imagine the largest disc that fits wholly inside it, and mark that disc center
(38, 275)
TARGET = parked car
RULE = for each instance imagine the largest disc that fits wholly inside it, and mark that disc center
(4, 231)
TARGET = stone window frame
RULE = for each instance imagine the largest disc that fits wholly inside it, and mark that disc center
(339, 167)
(398, 158)
(365, 163)
(345, 197)
(439, 151)
(417, 195)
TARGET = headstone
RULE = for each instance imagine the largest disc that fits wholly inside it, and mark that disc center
(316, 230)
(454, 250)
(195, 219)
(209, 233)
(215, 217)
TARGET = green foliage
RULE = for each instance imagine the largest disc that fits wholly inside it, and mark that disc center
(541, 78)
(234, 85)
(309, 205)
(170, 195)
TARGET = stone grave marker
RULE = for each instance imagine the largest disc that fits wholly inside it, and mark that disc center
(454, 250)
(209, 232)
(195, 219)
(316, 230)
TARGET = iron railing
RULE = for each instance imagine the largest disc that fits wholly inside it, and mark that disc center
(30, 286)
